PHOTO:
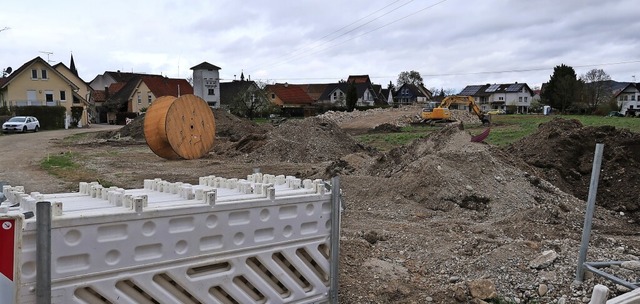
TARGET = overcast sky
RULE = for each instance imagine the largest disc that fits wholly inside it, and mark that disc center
(452, 43)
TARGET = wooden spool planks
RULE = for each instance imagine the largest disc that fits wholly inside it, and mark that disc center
(179, 127)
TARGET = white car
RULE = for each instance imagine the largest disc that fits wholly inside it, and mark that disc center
(21, 124)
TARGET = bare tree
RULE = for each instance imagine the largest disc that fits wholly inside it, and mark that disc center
(596, 90)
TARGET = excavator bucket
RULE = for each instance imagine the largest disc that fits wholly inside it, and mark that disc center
(482, 136)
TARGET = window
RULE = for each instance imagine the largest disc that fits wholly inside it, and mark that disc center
(501, 98)
(633, 97)
(211, 92)
(273, 96)
(44, 74)
(620, 98)
(48, 96)
(63, 96)
(149, 98)
(525, 99)
(139, 99)
(34, 74)
(520, 99)
(626, 97)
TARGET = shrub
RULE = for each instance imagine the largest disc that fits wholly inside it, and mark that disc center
(50, 118)
(76, 115)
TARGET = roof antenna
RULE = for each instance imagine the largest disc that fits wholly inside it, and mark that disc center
(48, 53)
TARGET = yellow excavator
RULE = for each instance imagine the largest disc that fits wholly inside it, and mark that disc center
(441, 113)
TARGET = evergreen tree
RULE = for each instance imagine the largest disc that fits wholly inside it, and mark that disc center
(563, 88)
(352, 97)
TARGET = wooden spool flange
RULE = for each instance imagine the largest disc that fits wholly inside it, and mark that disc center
(179, 127)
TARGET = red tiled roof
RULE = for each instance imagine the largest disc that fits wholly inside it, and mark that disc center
(99, 96)
(290, 94)
(358, 79)
(115, 87)
(161, 86)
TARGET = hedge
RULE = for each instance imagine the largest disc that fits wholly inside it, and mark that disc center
(50, 118)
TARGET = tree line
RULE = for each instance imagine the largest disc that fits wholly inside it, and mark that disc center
(589, 94)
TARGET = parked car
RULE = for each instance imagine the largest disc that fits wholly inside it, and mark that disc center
(21, 124)
(615, 114)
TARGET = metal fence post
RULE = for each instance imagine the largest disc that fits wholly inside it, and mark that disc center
(43, 252)
(335, 239)
(591, 205)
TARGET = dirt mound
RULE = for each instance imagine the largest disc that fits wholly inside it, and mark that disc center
(308, 140)
(562, 152)
(386, 128)
(234, 128)
(446, 171)
(476, 211)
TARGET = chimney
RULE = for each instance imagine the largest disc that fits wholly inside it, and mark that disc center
(286, 84)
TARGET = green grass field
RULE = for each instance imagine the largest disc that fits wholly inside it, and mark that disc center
(505, 129)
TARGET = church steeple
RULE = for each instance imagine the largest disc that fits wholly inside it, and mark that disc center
(242, 75)
(72, 66)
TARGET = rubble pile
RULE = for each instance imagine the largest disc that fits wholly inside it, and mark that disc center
(475, 219)
(307, 140)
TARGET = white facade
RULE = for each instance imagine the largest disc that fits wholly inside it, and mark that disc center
(206, 83)
(366, 99)
(629, 98)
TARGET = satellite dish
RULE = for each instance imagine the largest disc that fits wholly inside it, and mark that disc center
(8, 70)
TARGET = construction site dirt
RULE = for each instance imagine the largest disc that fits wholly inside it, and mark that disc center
(439, 220)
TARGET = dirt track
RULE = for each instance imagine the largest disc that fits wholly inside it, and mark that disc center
(22, 153)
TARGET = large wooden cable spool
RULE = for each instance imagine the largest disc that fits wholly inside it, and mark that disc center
(179, 127)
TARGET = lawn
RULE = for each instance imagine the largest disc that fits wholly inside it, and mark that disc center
(505, 129)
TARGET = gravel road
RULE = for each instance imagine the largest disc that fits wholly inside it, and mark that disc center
(20, 155)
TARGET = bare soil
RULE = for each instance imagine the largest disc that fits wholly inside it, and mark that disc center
(427, 222)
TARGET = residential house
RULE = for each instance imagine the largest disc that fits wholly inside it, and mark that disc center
(386, 95)
(83, 97)
(139, 92)
(335, 94)
(206, 83)
(37, 83)
(516, 96)
(246, 91)
(628, 97)
(408, 94)
(106, 85)
(291, 98)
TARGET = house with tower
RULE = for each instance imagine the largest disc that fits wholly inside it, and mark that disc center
(206, 83)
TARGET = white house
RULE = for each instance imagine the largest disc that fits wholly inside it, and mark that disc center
(499, 96)
(628, 98)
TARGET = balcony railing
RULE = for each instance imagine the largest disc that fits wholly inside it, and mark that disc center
(23, 103)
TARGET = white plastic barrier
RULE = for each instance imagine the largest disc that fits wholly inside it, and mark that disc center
(264, 239)
(601, 292)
